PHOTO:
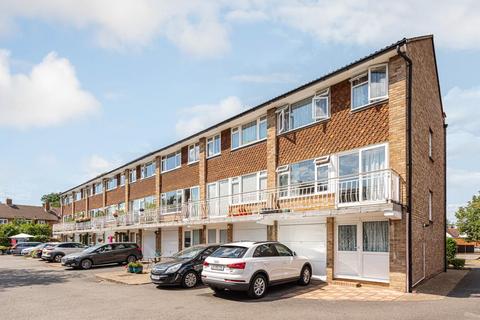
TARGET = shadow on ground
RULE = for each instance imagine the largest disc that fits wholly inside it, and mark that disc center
(468, 287)
(10, 278)
(275, 293)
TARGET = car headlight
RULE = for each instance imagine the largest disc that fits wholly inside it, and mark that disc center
(173, 268)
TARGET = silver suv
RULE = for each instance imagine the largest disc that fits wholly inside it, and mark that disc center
(57, 251)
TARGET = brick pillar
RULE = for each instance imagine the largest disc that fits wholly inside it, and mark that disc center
(72, 205)
(87, 208)
(158, 180)
(104, 188)
(140, 238)
(398, 254)
(203, 234)
(272, 231)
(127, 189)
(230, 232)
(202, 169)
(158, 240)
(94, 238)
(271, 149)
(330, 247)
(180, 238)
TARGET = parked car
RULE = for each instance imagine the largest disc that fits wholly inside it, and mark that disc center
(17, 248)
(58, 251)
(184, 268)
(36, 252)
(253, 267)
(28, 250)
(119, 252)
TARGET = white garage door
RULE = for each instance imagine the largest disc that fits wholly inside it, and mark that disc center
(169, 242)
(249, 232)
(307, 240)
(148, 243)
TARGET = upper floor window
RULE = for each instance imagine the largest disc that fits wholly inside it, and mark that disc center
(41, 222)
(249, 133)
(98, 188)
(430, 144)
(193, 153)
(111, 183)
(133, 175)
(304, 112)
(370, 86)
(78, 196)
(213, 146)
(122, 179)
(304, 177)
(430, 212)
(148, 170)
(3, 221)
(171, 161)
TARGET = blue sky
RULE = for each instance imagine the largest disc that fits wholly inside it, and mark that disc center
(87, 86)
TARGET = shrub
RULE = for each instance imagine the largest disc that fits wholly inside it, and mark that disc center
(451, 249)
(457, 263)
(135, 264)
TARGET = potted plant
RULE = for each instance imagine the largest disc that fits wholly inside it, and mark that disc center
(135, 267)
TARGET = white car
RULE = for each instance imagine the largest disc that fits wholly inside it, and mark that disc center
(253, 267)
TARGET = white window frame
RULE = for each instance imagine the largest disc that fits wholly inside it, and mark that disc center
(368, 81)
(122, 179)
(238, 180)
(41, 221)
(108, 188)
(132, 174)
(281, 119)
(143, 171)
(212, 141)
(317, 162)
(430, 143)
(238, 130)
(3, 221)
(430, 203)
(196, 151)
(95, 188)
(76, 193)
(177, 155)
(321, 95)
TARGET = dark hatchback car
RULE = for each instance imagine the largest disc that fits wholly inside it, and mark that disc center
(119, 252)
(184, 268)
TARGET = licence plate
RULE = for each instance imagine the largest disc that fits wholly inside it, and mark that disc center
(155, 277)
(217, 267)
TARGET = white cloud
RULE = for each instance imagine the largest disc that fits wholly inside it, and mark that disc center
(266, 78)
(463, 145)
(201, 28)
(96, 165)
(199, 117)
(50, 94)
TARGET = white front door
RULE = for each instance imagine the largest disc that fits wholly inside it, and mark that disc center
(169, 242)
(362, 250)
(149, 244)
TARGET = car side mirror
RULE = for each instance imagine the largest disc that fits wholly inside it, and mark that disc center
(294, 254)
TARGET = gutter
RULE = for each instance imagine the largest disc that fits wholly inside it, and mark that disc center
(445, 192)
(409, 163)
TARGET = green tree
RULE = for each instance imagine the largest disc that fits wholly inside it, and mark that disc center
(53, 198)
(468, 219)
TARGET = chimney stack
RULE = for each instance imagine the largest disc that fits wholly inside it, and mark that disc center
(9, 202)
(46, 206)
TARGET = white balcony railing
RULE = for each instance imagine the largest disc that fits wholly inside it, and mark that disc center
(381, 186)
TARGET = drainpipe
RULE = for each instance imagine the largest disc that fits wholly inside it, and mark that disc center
(409, 161)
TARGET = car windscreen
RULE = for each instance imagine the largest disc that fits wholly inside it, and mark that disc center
(232, 252)
(188, 253)
(95, 247)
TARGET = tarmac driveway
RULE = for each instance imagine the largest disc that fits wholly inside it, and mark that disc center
(31, 289)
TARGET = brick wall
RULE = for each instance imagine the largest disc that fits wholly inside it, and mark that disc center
(95, 202)
(345, 130)
(238, 162)
(184, 177)
(115, 196)
(142, 188)
(427, 174)
(79, 205)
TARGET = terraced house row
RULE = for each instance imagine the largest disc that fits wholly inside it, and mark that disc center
(348, 170)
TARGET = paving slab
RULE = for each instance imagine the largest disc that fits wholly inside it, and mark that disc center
(125, 277)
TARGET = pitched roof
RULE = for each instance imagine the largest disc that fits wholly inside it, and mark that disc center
(18, 211)
(453, 232)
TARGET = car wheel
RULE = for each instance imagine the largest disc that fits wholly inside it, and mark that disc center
(86, 264)
(305, 276)
(258, 287)
(131, 258)
(189, 280)
(58, 258)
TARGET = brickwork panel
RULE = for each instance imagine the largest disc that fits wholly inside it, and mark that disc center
(237, 162)
(184, 177)
(79, 205)
(115, 196)
(345, 130)
(142, 188)
(95, 202)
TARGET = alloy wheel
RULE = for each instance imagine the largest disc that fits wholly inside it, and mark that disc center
(58, 258)
(306, 275)
(190, 280)
(86, 264)
(131, 259)
(259, 286)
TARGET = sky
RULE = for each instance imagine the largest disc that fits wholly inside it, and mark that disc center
(88, 85)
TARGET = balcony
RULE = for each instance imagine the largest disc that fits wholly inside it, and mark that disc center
(366, 190)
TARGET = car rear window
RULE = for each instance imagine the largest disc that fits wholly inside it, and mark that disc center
(229, 252)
